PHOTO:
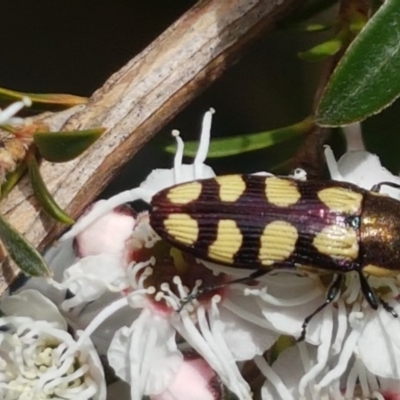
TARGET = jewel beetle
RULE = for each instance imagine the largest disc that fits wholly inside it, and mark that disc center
(266, 223)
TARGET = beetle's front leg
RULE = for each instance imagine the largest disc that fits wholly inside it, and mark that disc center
(333, 291)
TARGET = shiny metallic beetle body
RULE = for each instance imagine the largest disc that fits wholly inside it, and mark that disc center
(267, 223)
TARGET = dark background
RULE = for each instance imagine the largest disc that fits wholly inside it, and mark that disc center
(73, 46)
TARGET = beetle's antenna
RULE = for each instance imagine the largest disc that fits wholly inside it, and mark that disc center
(245, 280)
(377, 188)
(178, 155)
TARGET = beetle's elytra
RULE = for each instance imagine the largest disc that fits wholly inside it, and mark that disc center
(265, 223)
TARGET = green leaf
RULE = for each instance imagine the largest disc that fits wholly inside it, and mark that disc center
(233, 145)
(50, 101)
(367, 79)
(43, 195)
(12, 178)
(21, 251)
(65, 146)
(322, 50)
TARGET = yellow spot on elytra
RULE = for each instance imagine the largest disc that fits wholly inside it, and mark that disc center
(341, 200)
(184, 194)
(231, 187)
(375, 270)
(182, 227)
(228, 242)
(337, 242)
(277, 243)
(281, 192)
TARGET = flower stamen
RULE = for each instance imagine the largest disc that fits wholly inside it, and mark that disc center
(204, 144)
(178, 156)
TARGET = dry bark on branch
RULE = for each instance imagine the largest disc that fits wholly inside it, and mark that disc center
(136, 102)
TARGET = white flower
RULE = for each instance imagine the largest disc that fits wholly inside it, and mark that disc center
(36, 360)
(298, 362)
(358, 166)
(222, 326)
(354, 342)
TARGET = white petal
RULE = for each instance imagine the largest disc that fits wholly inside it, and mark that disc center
(289, 299)
(160, 179)
(103, 335)
(59, 257)
(365, 170)
(145, 355)
(118, 353)
(244, 338)
(203, 171)
(96, 370)
(91, 276)
(289, 369)
(47, 287)
(379, 344)
(31, 303)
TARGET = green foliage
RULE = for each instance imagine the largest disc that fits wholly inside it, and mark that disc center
(322, 50)
(21, 251)
(233, 145)
(367, 78)
(65, 146)
(51, 101)
(44, 197)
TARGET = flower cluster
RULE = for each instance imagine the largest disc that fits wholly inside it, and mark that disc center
(123, 288)
(35, 358)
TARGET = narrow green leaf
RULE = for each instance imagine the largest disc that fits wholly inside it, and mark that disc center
(49, 101)
(233, 145)
(65, 146)
(322, 50)
(43, 195)
(12, 178)
(21, 251)
(367, 79)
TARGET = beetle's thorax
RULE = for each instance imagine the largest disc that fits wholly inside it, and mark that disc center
(380, 235)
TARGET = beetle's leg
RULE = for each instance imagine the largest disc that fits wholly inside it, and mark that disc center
(247, 279)
(372, 299)
(377, 188)
(388, 308)
(368, 293)
(333, 291)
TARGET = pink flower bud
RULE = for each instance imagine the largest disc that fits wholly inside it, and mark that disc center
(195, 380)
(108, 234)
